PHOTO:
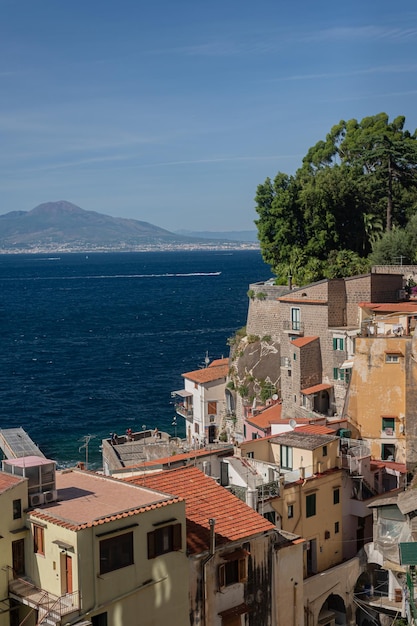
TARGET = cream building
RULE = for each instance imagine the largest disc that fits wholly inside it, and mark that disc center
(102, 553)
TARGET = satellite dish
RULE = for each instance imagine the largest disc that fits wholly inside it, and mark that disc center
(275, 397)
(293, 423)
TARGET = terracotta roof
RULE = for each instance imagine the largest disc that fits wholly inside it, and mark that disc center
(301, 300)
(86, 499)
(315, 429)
(316, 389)
(205, 499)
(218, 362)
(185, 456)
(390, 307)
(392, 465)
(303, 341)
(270, 415)
(208, 374)
(7, 481)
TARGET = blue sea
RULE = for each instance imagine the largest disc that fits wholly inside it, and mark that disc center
(92, 344)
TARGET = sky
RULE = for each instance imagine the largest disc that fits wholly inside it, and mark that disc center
(174, 111)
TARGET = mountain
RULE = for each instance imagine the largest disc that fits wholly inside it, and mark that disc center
(65, 226)
(232, 235)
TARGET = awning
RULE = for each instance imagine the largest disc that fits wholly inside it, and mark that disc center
(346, 365)
(182, 393)
(315, 389)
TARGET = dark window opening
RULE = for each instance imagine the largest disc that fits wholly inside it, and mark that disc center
(116, 552)
(163, 540)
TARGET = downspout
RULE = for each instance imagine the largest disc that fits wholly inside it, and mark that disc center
(212, 551)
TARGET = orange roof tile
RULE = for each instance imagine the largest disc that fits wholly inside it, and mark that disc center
(86, 499)
(270, 415)
(316, 389)
(303, 341)
(390, 307)
(7, 481)
(205, 499)
(315, 429)
(207, 374)
(185, 456)
(218, 362)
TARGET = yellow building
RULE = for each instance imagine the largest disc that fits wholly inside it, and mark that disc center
(103, 553)
(309, 502)
(13, 502)
(382, 395)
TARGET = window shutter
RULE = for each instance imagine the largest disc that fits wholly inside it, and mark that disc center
(151, 545)
(334, 343)
(242, 570)
(176, 537)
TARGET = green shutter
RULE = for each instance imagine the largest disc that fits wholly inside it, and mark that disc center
(334, 343)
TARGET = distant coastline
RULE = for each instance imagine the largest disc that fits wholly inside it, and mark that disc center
(152, 247)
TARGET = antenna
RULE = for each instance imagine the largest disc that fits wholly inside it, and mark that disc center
(293, 423)
(86, 439)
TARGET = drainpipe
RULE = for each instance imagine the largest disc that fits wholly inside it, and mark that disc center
(212, 550)
(295, 604)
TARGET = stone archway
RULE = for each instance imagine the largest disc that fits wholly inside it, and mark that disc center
(333, 612)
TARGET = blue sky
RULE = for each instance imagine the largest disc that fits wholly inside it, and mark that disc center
(173, 111)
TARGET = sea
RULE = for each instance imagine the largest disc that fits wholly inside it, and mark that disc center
(95, 343)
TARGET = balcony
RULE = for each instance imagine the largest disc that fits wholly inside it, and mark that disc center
(50, 608)
(293, 327)
(184, 411)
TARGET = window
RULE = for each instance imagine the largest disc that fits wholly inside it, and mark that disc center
(232, 572)
(212, 408)
(116, 552)
(324, 450)
(99, 620)
(336, 496)
(196, 428)
(38, 540)
(254, 435)
(251, 455)
(392, 358)
(270, 516)
(311, 505)
(290, 511)
(244, 431)
(17, 509)
(388, 452)
(286, 457)
(336, 528)
(338, 343)
(295, 319)
(388, 425)
(338, 374)
(163, 540)
(294, 356)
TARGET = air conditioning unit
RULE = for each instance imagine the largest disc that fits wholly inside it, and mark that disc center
(36, 499)
(50, 496)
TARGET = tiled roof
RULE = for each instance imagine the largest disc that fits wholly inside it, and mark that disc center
(303, 341)
(8, 480)
(208, 374)
(304, 440)
(205, 499)
(390, 465)
(218, 362)
(270, 415)
(316, 389)
(186, 456)
(390, 307)
(315, 429)
(301, 300)
(86, 499)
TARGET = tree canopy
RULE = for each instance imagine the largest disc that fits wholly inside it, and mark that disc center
(325, 220)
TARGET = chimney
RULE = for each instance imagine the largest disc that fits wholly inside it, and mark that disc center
(289, 282)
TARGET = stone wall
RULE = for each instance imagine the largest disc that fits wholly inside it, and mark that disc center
(407, 271)
(263, 313)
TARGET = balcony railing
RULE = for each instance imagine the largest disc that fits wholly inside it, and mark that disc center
(184, 411)
(293, 326)
(47, 604)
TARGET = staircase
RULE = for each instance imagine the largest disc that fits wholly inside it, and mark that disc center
(50, 607)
